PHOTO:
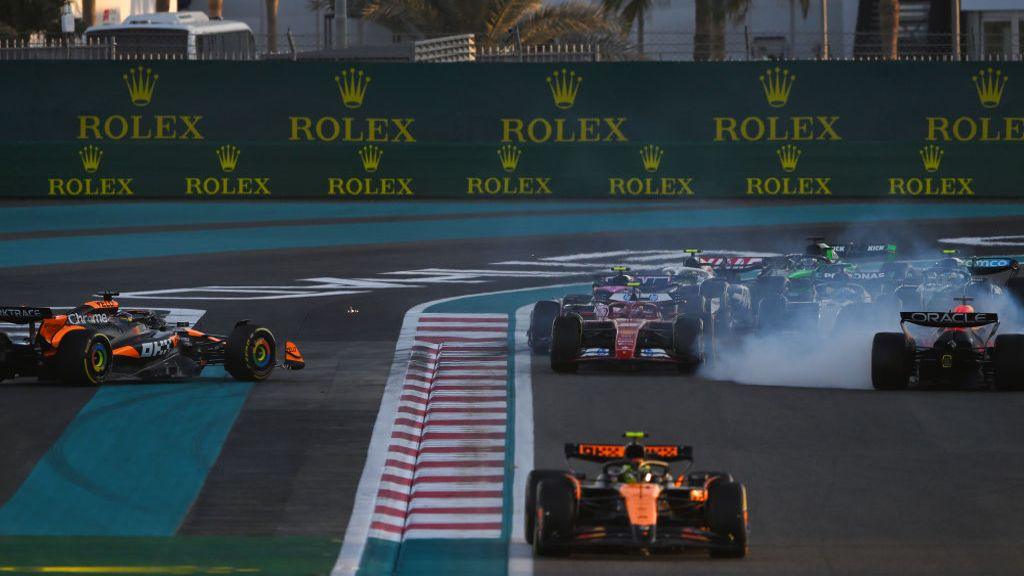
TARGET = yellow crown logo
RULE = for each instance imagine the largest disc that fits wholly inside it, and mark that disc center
(931, 156)
(777, 82)
(371, 156)
(509, 156)
(352, 84)
(141, 83)
(564, 86)
(989, 84)
(91, 157)
(228, 155)
(789, 155)
(651, 155)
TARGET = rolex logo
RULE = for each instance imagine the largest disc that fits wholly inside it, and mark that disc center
(564, 86)
(989, 84)
(777, 82)
(650, 156)
(228, 155)
(931, 157)
(141, 83)
(91, 156)
(789, 155)
(352, 85)
(509, 156)
(371, 156)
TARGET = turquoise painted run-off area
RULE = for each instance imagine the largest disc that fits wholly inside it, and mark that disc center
(131, 463)
(95, 247)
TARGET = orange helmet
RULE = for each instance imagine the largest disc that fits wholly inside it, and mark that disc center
(964, 308)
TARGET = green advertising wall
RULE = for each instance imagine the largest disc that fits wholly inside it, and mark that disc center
(605, 130)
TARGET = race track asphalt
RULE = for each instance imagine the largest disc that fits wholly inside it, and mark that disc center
(840, 481)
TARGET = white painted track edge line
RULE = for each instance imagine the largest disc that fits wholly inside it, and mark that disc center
(520, 555)
(358, 528)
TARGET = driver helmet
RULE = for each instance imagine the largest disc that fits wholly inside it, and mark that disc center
(964, 309)
(620, 280)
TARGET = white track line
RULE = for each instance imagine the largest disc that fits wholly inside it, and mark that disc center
(520, 555)
(366, 494)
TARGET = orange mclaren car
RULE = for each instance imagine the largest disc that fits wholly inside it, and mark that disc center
(635, 503)
(100, 342)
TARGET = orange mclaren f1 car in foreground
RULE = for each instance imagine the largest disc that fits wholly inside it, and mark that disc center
(636, 503)
(100, 342)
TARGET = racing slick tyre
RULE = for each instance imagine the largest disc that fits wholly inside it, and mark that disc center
(1009, 362)
(250, 353)
(910, 298)
(566, 334)
(771, 312)
(727, 517)
(713, 290)
(555, 510)
(83, 358)
(891, 361)
(686, 343)
(530, 505)
(541, 319)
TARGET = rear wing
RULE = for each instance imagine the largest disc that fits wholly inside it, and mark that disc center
(949, 319)
(865, 250)
(733, 263)
(24, 314)
(610, 452)
(991, 265)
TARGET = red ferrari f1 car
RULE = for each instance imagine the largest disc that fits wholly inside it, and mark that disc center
(100, 342)
(635, 503)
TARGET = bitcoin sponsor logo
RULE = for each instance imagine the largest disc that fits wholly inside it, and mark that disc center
(157, 348)
(776, 85)
(637, 186)
(228, 157)
(564, 86)
(789, 159)
(91, 159)
(352, 86)
(989, 85)
(371, 159)
(931, 161)
(141, 83)
(508, 184)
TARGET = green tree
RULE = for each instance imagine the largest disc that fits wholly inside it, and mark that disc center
(491, 20)
(630, 12)
(28, 16)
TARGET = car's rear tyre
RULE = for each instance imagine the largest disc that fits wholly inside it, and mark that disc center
(1009, 362)
(84, 358)
(891, 361)
(771, 313)
(250, 353)
(566, 336)
(727, 517)
(530, 505)
(686, 343)
(555, 513)
(910, 297)
(541, 320)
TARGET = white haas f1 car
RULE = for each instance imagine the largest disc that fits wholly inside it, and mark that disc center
(635, 504)
(953, 349)
(632, 328)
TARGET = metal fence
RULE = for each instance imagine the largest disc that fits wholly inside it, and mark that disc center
(746, 45)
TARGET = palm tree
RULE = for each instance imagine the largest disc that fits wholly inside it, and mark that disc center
(889, 27)
(216, 8)
(88, 12)
(630, 12)
(491, 20)
(711, 15)
(271, 25)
